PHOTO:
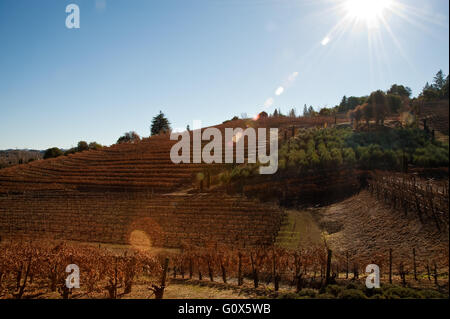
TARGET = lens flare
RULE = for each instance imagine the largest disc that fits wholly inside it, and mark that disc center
(368, 10)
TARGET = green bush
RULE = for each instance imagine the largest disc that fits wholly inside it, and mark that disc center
(352, 294)
(325, 296)
(432, 294)
(372, 292)
(401, 293)
(334, 290)
(355, 285)
(330, 148)
(431, 156)
(307, 293)
(52, 153)
(288, 295)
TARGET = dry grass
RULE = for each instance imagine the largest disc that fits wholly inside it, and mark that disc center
(368, 227)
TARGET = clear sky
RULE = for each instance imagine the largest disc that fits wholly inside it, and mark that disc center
(201, 60)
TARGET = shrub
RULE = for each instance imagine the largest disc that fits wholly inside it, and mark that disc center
(352, 294)
(334, 290)
(372, 292)
(95, 146)
(307, 292)
(129, 137)
(52, 152)
(288, 295)
(431, 156)
(401, 292)
(82, 146)
(325, 296)
(432, 294)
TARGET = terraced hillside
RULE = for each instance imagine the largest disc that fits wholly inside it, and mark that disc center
(166, 220)
(145, 165)
(437, 114)
(104, 195)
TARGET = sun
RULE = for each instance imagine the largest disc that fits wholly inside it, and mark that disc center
(367, 10)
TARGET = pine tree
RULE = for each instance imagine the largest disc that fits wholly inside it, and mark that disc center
(275, 113)
(344, 104)
(305, 110)
(438, 80)
(292, 113)
(160, 124)
(444, 91)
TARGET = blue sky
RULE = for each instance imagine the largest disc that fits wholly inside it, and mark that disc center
(198, 60)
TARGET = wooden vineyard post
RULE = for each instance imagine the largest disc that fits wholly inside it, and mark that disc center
(435, 275)
(390, 265)
(254, 270)
(190, 268)
(224, 273)
(414, 264)
(275, 275)
(327, 280)
(240, 281)
(159, 290)
(210, 270)
(346, 270)
(115, 278)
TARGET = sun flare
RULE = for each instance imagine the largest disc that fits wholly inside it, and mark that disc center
(367, 10)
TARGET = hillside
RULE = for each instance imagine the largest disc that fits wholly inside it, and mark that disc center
(108, 193)
(218, 220)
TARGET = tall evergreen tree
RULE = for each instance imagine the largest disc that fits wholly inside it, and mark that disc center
(439, 80)
(160, 124)
(344, 104)
(279, 112)
(292, 113)
(305, 110)
(444, 91)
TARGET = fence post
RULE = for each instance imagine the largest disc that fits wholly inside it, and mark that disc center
(390, 265)
(435, 275)
(346, 271)
(240, 281)
(327, 280)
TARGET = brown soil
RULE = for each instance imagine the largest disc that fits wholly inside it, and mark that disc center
(367, 226)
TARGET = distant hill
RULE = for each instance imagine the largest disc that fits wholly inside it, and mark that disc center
(13, 157)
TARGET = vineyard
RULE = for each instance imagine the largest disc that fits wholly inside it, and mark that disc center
(193, 224)
(31, 270)
(427, 199)
(324, 186)
(168, 220)
(436, 114)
